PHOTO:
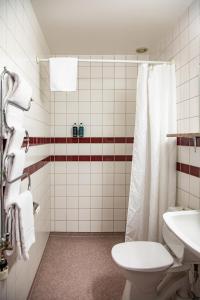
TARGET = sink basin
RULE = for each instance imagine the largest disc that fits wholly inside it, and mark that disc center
(185, 225)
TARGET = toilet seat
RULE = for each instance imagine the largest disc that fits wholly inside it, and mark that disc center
(142, 256)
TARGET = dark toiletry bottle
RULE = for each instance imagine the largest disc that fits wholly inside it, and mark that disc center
(81, 130)
(75, 130)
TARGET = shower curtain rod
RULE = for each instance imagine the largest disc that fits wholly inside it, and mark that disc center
(112, 61)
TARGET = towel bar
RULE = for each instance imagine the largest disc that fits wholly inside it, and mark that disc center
(24, 175)
(8, 102)
(4, 102)
(19, 106)
(5, 71)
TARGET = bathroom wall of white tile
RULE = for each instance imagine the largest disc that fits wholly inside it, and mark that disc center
(20, 41)
(188, 186)
(89, 196)
(182, 44)
(92, 196)
(104, 101)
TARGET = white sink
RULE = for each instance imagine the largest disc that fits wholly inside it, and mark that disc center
(186, 227)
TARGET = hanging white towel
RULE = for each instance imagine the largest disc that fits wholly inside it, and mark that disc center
(15, 140)
(21, 224)
(14, 116)
(63, 74)
(7, 86)
(14, 169)
(20, 92)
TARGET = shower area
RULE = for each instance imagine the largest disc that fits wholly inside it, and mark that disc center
(90, 175)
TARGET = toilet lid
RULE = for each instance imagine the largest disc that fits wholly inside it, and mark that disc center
(142, 256)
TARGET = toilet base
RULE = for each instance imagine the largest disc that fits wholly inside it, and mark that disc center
(127, 291)
(163, 287)
(130, 293)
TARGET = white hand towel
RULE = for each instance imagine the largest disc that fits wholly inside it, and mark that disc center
(14, 169)
(14, 116)
(63, 74)
(15, 140)
(22, 224)
(26, 229)
(7, 86)
(20, 92)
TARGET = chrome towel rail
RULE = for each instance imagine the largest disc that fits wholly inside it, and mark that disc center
(24, 175)
(5, 71)
(4, 103)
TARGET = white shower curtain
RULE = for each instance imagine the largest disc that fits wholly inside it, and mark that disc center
(153, 174)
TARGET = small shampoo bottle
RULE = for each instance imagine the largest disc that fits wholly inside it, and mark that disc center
(81, 130)
(75, 130)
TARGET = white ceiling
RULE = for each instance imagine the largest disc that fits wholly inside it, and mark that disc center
(105, 26)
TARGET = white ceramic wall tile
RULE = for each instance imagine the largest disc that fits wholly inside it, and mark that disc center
(84, 226)
(96, 214)
(91, 200)
(99, 91)
(60, 226)
(184, 48)
(72, 202)
(107, 226)
(21, 40)
(119, 226)
(72, 226)
(96, 202)
(96, 226)
(72, 214)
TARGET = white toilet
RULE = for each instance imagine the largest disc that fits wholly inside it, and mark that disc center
(144, 265)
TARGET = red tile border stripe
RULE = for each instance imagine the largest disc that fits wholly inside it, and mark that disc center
(91, 158)
(184, 168)
(183, 141)
(35, 141)
(38, 165)
(188, 169)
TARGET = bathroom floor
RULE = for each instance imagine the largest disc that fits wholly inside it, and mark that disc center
(78, 267)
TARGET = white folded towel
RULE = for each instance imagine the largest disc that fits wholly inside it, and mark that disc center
(14, 116)
(63, 74)
(21, 224)
(7, 86)
(15, 140)
(19, 90)
(14, 169)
